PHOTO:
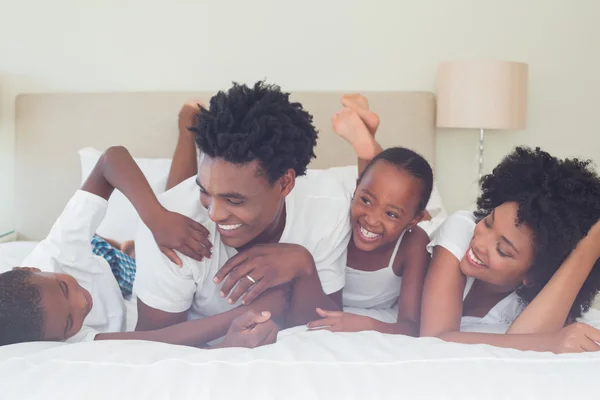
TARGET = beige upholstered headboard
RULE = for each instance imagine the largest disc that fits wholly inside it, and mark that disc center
(50, 128)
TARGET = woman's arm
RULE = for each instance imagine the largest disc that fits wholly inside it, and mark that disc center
(441, 310)
(548, 311)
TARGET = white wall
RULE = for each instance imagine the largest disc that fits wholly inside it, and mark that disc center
(102, 45)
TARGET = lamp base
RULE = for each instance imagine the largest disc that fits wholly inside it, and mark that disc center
(480, 154)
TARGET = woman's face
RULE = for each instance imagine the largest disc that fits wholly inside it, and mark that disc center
(500, 252)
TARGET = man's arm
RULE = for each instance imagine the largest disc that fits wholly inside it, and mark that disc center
(307, 296)
(200, 332)
(150, 319)
(160, 326)
(273, 265)
(165, 291)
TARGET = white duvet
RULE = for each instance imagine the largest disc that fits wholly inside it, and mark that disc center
(306, 365)
(301, 365)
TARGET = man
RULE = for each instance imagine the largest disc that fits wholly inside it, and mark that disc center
(267, 227)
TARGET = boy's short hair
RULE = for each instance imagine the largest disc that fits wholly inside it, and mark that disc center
(21, 313)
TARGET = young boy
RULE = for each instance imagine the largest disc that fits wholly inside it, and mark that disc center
(76, 297)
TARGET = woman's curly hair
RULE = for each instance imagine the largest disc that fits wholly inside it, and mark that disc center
(559, 200)
(260, 123)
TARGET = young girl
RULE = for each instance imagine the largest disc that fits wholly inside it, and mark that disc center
(387, 256)
(487, 266)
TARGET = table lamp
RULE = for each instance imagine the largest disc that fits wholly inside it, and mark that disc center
(482, 95)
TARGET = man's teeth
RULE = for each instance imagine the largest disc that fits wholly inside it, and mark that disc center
(229, 227)
(368, 234)
(474, 258)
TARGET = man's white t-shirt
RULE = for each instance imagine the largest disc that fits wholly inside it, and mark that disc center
(317, 217)
(67, 250)
(455, 235)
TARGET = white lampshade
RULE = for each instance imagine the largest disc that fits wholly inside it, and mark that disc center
(482, 95)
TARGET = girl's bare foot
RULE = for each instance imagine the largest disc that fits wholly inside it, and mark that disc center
(187, 114)
(348, 124)
(360, 104)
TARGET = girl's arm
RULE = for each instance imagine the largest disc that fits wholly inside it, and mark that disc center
(414, 270)
(413, 279)
(416, 262)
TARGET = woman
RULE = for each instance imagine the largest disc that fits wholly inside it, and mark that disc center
(509, 265)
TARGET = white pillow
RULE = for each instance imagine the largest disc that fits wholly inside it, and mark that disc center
(121, 218)
(12, 254)
(349, 174)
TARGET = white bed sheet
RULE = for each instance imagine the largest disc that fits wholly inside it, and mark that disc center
(308, 365)
(12, 254)
(301, 365)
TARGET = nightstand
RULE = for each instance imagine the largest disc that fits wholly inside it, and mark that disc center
(8, 236)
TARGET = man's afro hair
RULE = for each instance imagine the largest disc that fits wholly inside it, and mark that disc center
(260, 123)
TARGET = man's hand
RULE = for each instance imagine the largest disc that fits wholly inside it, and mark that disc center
(173, 231)
(251, 330)
(339, 321)
(262, 267)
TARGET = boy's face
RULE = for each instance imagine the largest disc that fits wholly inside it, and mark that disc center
(65, 304)
(241, 202)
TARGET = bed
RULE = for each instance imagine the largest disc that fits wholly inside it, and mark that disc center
(58, 136)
